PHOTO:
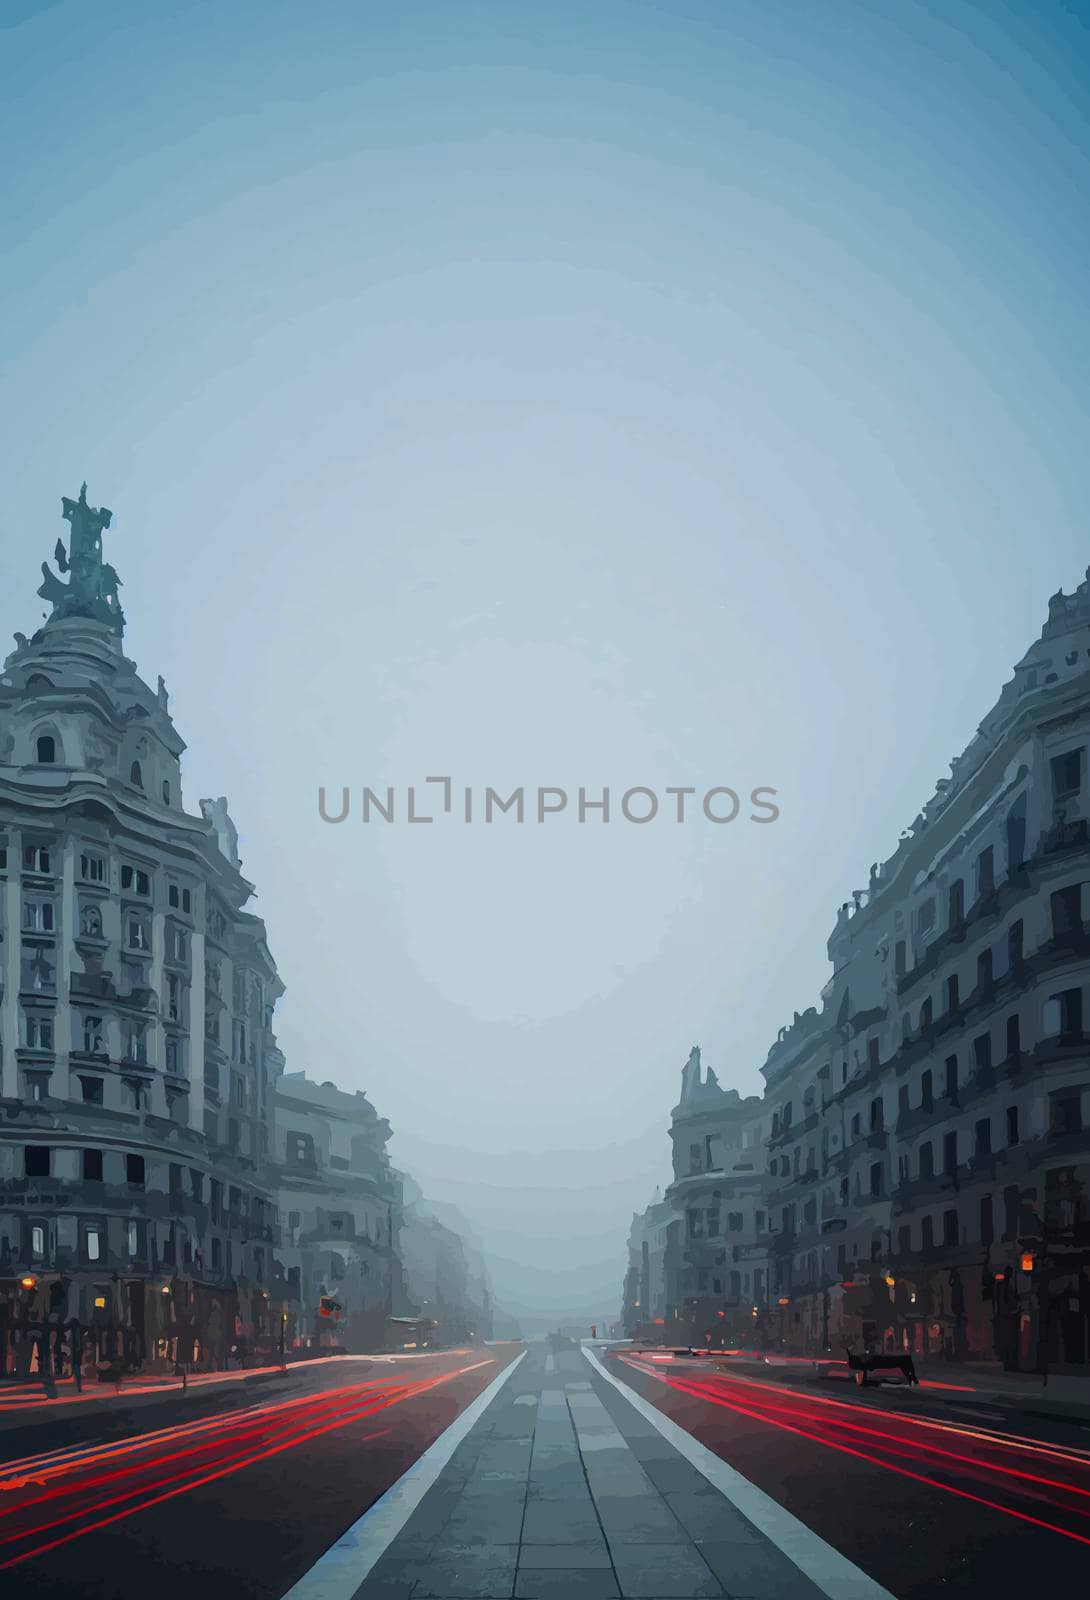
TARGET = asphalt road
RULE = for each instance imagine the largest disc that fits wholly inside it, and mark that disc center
(930, 1495)
(232, 1490)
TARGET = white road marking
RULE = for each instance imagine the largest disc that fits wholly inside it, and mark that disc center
(833, 1573)
(338, 1574)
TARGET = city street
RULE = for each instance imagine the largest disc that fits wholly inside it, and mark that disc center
(236, 1486)
(928, 1490)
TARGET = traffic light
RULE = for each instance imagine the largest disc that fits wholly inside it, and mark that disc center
(1027, 1261)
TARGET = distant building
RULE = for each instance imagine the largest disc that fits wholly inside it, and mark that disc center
(715, 1266)
(445, 1275)
(137, 1054)
(649, 1239)
(340, 1209)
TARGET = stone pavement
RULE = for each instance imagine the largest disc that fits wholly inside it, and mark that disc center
(563, 1490)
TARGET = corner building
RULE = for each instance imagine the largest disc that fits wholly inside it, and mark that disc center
(137, 1057)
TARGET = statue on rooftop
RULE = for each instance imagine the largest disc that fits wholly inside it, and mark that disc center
(92, 588)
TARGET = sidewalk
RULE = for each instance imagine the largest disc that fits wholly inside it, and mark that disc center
(23, 1403)
(566, 1488)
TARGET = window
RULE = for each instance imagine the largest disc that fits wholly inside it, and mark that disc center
(174, 896)
(135, 1093)
(176, 942)
(927, 1012)
(94, 1037)
(134, 1170)
(196, 1180)
(1015, 944)
(876, 1180)
(175, 1180)
(984, 970)
(92, 869)
(713, 1221)
(949, 1227)
(135, 880)
(857, 1126)
(90, 922)
(1065, 1111)
(91, 1089)
(982, 1051)
(927, 1160)
(134, 1043)
(1066, 774)
(38, 1030)
(927, 1233)
(983, 1137)
(36, 1160)
(956, 903)
(950, 1152)
(987, 1223)
(1067, 911)
(985, 872)
(136, 934)
(927, 1100)
(38, 916)
(37, 1085)
(876, 1116)
(1063, 1015)
(187, 901)
(695, 1223)
(735, 1221)
(37, 1241)
(36, 859)
(1014, 1036)
(899, 958)
(952, 995)
(1012, 1124)
(136, 777)
(166, 792)
(217, 1255)
(904, 1240)
(951, 1065)
(175, 1057)
(92, 1244)
(133, 1239)
(46, 748)
(872, 1053)
(92, 1166)
(902, 1098)
(299, 1147)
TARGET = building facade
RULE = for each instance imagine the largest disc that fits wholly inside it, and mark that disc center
(340, 1206)
(137, 1054)
(714, 1267)
(926, 1128)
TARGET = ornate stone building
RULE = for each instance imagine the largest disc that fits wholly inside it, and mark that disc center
(927, 1127)
(340, 1205)
(714, 1265)
(137, 1057)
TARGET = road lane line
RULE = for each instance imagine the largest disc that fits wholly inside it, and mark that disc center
(832, 1572)
(338, 1574)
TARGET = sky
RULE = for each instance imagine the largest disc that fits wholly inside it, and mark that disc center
(617, 395)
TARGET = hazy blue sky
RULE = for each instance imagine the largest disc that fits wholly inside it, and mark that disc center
(553, 393)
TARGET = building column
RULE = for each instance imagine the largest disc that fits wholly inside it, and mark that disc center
(13, 922)
(196, 1012)
(66, 943)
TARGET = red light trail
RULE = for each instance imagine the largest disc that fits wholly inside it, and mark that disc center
(984, 1459)
(70, 1480)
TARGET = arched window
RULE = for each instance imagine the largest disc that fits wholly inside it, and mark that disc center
(135, 775)
(166, 792)
(47, 749)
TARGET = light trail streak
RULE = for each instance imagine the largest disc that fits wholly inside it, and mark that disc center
(704, 1391)
(277, 1431)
